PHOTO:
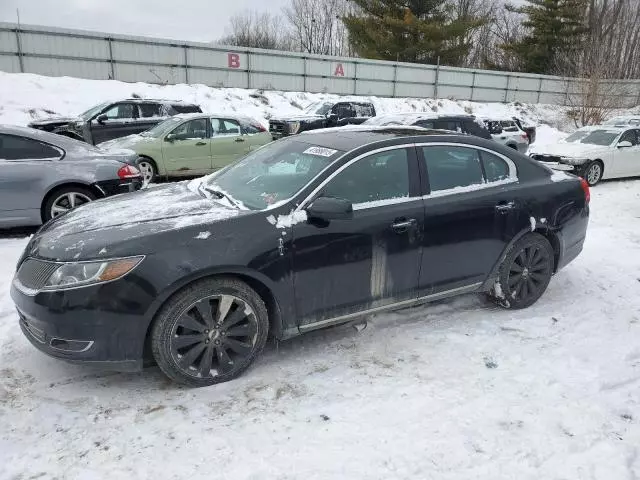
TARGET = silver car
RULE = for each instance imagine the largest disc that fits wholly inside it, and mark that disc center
(43, 175)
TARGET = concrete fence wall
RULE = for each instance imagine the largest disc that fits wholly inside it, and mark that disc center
(75, 53)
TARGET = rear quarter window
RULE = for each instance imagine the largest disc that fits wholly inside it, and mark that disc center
(181, 108)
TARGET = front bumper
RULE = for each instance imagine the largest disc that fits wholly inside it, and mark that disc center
(115, 187)
(99, 324)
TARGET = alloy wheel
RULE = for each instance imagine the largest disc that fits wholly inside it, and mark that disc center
(594, 173)
(213, 336)
(146, 169)
(529, 272)
(68, 201)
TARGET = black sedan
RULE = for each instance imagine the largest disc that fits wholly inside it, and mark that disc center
(304, 233)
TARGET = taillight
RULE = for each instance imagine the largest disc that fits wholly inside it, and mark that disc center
(585, 189)
(128, 171)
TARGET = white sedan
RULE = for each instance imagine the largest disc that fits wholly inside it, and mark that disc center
(595, 153)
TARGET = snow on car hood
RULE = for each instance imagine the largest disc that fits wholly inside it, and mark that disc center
(98, 227)
(569, 149)
(55, 121)
(126, 143)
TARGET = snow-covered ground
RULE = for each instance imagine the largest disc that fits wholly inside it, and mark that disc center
(24, 97)
(453, 390)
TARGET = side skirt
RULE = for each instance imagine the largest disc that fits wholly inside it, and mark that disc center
(392, 306)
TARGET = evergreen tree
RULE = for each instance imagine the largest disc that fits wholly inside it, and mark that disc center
(417, 31)
(555, 31)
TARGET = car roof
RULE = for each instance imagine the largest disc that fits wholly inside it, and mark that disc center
(424, 115)
(193, 116)
(614, 128)
(350, 137)
(156, 100)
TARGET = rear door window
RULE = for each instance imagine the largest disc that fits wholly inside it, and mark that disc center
(13, 147)
(451, 125)
(150, 110)
(472, 128)
(224, 126)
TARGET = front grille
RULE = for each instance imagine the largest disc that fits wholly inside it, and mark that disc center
(545, 158)
(277, 127)
(33, 273)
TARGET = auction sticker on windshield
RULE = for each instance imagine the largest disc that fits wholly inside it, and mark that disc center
(320, 151)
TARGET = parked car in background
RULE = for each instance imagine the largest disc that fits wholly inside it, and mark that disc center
(595, 153)
(192, 144)
(115, 119)
(308, 232)
(468, 124)
(632, 120)
(43, 175)
(322, 115)
(508, 132)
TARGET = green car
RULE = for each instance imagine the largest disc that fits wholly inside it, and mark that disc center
(193, 144)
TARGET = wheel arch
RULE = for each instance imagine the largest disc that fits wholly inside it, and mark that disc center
(60, 186)
(543, 230)
(155, 163)
(255, 280)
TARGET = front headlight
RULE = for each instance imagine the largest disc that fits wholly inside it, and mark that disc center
(71, 275)
(294, 127)
(573, 160)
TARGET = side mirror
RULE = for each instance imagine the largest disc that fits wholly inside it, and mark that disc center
(625, 144)
(332, 117)
(102, 118)
(172, 137)
(330, 208)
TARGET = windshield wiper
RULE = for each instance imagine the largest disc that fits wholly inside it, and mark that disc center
(219, 194)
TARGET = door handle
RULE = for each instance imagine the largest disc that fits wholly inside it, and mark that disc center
(403, 225)
(504, 207)
(239, 139)
(200, 144)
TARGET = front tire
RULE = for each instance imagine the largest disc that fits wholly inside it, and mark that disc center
(210, 332)
(525, 273)
(593, 172)
(148, 170)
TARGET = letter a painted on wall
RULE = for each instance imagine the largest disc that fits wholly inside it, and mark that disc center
(234, 60)
(339, 71)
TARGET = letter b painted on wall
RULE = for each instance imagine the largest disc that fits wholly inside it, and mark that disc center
(233, 60)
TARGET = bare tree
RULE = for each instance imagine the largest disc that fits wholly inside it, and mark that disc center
(317, 26)
(479, 38)
(258, 30)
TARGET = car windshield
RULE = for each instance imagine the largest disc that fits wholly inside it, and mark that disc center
(271, 174)
(163, 127)
(318, 108)
(93, 111)
(623, 121)
(593, 137)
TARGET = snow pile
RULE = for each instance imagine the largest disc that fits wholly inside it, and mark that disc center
(287, 221)
(25, 97)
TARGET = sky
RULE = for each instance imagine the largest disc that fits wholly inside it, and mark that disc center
(194, 20)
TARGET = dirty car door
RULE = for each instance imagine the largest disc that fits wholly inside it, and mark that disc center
(342, 267)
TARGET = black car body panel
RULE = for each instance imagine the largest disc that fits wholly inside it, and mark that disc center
(310, 274)
(138, 116)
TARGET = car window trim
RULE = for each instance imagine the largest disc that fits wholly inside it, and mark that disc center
(513, 171)
(309, 198)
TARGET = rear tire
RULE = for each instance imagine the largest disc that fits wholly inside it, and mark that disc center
(525, 272)
(209, 332)
(65, 199)
(148, 170)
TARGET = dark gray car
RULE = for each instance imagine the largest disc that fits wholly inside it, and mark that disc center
(43, 175)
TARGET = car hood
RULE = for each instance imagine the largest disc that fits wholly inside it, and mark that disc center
(54, 121)
(112, 225)
(299, 118)
(570, 150)
(128, 143)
